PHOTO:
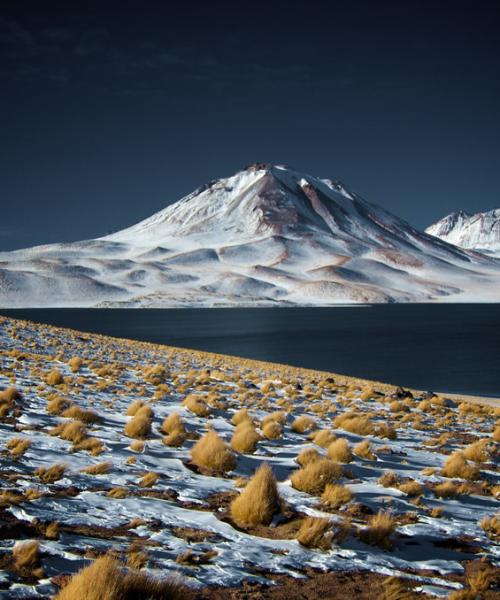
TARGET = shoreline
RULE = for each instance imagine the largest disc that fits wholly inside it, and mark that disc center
(280, 367)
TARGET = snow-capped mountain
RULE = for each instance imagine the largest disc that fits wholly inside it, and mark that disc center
(267, 235)
(480, 231)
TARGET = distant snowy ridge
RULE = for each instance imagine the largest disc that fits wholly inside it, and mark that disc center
(480, 231)
(268, 235)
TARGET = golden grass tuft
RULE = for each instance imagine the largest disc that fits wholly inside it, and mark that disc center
(302, 424)
(51, 474)
(447, 489)
(197, 405)
(148, 480)
(54, 377)
(138, 427)
(491, 526)
(477, 452)
(315, 532)
(97, 469)
(245, 438)
(26, 555)
(314, 477)
(323, 438)
(397, 589)
(57, 405)
(104, 579)
(389, 479)
(364, 450)
(339, 451)
(354, 423)
(17, 446)
(242, 416)
(496, 434)
(212, 453)
(307, 456)
(335, 495)
(259, 501)
(457, 466)
(75, 364)
(175, 438)
(411, 488)
(379, 530)
(272, 430)
(72, 431)
(172, 423)
(118, 493)
(86, 416)
(133, 407)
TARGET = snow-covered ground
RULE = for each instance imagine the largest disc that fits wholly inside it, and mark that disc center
(268, 235)
(433, 538)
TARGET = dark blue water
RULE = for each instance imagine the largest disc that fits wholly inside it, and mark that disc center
(453, 348)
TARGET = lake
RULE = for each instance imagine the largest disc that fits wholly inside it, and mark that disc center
(445, 347)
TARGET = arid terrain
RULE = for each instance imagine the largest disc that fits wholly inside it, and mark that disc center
(241, 479)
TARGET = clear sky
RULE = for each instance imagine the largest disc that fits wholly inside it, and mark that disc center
(110, 111)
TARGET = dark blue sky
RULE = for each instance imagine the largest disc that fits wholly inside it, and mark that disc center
(110, 111)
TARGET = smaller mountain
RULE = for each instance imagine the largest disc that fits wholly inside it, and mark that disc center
(480, 231)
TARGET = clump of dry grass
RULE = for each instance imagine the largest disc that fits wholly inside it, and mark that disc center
(97, 469)
(137, 446)
(245, 438)
(212, 453)
(447, 489)
(335, 495)
(118, 493)
(54, 377)
(272, 430)
(134, 407)
(52, 530)
(72, 431)
(197, 405)
(386, 431)
(26, 556)
(411, 488)
(315, 532)
(396, 589)
(339, 451)
(278, 416)
(364, 450)
(75, 364)
(259, 501)
(314, 477)
(148, 479)
(105, 580)
(242, 416)
(175, 439)
(173, 423)
(138, 427)
(302, 424)
(477, 452)
(17, 446)
(389, 479)
(323, 438)
(307, 455)
(379, 530)
(457, 466)
(354, 423)
(81, 414)
(491, 525)
(57, 405)
(496, 434)
(51, 474)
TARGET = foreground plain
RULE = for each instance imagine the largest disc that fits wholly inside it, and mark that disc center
(143, 453)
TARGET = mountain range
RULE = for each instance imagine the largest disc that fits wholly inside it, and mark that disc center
(480, 231)
(268, 235)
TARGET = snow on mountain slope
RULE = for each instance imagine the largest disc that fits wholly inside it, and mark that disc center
(267, 235)
(480, 231)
